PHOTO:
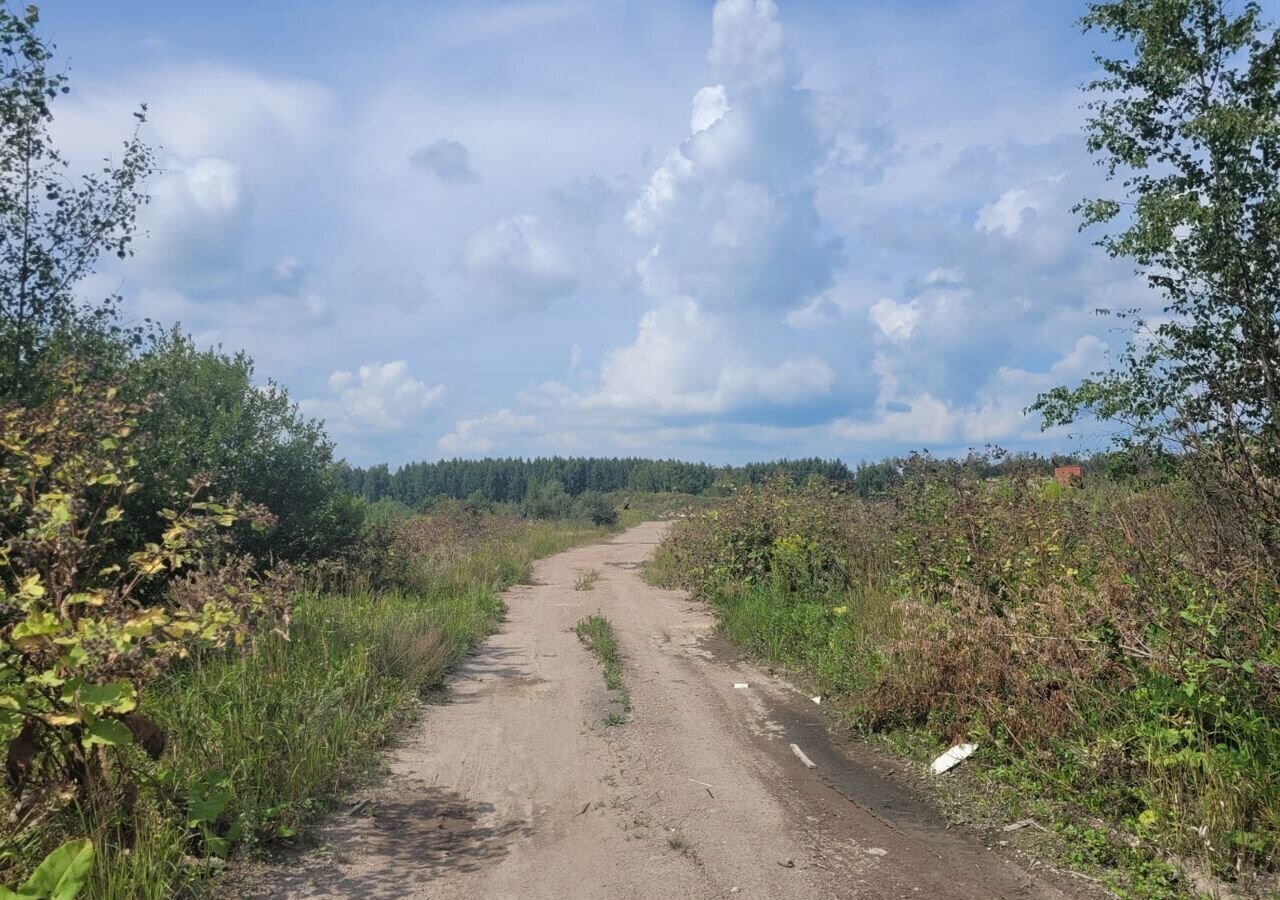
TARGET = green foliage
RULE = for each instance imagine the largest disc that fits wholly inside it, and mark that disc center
(1107, 641)
(594, 507)
(261, 742)
(205, 414)
(547, 500)
(78, 643)
(510, 480)
(1187, 118)
(53, 228)
(59, 877)
(597, 634)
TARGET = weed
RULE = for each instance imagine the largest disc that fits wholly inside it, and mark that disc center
(587, 579)
(677, 843)
(597, 634)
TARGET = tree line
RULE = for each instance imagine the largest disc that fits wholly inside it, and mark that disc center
(512, 479)
(516, 480)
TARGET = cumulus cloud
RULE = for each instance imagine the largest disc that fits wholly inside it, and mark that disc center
(896, 321)
(680, 365)
(904, 419)
(709, 106)
(747, 43)
(733, 239)
(196, 221)
(198, 110)
(484, 433)
(518, 264)
(731, 212)
(1007, 213)
(380, 397)
(449, 161)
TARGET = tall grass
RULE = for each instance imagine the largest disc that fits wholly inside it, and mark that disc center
(280, 731)
(290, 724)
(1115, 648)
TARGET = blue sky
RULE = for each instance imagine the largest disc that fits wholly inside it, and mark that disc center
(724, 231)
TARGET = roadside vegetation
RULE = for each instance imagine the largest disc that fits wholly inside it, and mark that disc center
(597, 634)
(1105, 646)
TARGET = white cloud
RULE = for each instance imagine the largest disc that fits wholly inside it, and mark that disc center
(996, 414)
(949, 275)
(382, 397)
(709, 106)
(731, 211)
(482, 434)
(733, 236)
(747, 44)
(681, 364)
(198, 110)
(895, 320)
(518, 264)
(196, 221)
(1008, 212)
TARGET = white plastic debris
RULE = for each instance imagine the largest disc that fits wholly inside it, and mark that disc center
(808, 763)
(952, 758)
(817, 700)
(742, 685)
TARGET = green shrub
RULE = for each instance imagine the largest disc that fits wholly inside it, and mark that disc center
(1111, 641)
(84, 630)
(595, 507)
(205, 414)
(547, 500)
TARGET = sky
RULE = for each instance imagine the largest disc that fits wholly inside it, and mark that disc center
(727, 231)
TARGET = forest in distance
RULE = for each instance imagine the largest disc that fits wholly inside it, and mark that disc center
(509, 480)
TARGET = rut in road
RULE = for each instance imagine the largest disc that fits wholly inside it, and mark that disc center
(515, 787)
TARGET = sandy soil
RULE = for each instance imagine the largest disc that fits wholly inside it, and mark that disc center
(515, 788)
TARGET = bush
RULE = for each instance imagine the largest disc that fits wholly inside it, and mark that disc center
(1115, 642)
(547, 500)
(205, 414)
(84, 630)
(596, 508)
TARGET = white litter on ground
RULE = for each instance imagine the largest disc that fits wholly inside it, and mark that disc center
(817, 700)
(952, 758)
(809, 764)
(742, 685)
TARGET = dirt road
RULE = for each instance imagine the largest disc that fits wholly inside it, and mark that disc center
(515, 787)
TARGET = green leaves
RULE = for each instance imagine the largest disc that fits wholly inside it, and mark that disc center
(106, 732)
(86, 629)
(60, 876)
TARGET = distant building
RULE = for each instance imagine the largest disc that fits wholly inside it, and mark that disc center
(1068, 475)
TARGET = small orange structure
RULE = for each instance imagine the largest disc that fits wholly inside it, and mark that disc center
(1068, 475)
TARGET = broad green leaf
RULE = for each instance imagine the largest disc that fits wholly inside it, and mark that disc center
(110, 732)
(208, 799)
(62, 874)
(30, 588)
(33, 631)
(118, 697)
